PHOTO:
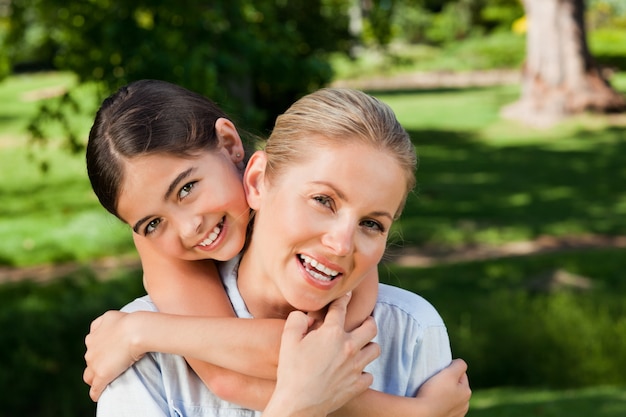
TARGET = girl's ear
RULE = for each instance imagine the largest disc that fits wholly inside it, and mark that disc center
(229, 140)
(254, 179)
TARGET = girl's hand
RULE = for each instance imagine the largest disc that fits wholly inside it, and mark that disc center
(447, 393)
(109, 346)
(320, 370)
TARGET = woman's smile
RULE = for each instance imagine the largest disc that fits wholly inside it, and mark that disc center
(322, 224)
(317, 274)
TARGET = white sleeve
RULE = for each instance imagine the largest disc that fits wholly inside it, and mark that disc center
(137, 392)
(413, 340)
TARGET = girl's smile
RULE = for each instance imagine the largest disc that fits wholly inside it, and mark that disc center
(188, 208)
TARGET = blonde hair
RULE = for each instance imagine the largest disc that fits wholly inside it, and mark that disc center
(336, 116)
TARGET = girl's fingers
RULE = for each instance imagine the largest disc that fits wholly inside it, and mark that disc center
(94, 324)
(459, 366)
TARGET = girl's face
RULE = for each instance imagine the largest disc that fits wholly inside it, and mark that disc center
(186, 208)
(319, 227)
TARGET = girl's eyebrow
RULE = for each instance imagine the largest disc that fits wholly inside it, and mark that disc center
(172, 187)
(176, 181)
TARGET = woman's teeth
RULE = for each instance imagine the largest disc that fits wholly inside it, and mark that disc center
(213, 235)
(317, 270)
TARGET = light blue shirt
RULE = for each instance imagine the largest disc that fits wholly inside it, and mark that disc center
(411, 334)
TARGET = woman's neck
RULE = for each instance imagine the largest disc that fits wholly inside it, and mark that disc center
(258, 290)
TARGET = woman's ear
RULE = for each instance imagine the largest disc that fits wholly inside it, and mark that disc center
(254, 179)
(229, 140)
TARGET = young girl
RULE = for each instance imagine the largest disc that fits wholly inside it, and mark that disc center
(178, 223)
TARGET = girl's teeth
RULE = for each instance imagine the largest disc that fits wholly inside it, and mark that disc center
(214, 234)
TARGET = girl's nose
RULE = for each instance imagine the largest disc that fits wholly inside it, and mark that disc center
(190, 227)
(340, 238)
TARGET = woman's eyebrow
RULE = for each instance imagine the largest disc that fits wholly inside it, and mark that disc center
(344, 197)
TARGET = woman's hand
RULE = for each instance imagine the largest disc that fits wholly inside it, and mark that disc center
(109, 351)
(319, 370)
(447, 393)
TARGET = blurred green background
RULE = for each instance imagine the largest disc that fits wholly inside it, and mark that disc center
(515, 234)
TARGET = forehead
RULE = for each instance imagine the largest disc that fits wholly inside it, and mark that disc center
(147, 168)
(365, 173)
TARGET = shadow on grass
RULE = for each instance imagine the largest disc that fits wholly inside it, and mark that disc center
(466, 187)
(42, 341)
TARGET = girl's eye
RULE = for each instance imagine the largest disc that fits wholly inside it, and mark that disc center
(373, 225)
(324, 200)
(152, 226)
(186, 189)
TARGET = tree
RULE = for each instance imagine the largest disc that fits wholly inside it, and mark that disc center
(253, 57)
(560, 77)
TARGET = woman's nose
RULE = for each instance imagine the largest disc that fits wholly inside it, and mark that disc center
(340, 238)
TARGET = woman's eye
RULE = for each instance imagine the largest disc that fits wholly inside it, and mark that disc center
(185, 190)
(373, 225)
(324, 200)
(152, 226)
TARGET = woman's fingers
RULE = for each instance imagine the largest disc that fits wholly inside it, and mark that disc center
(334, 362)
(336, 314)
(296, 327)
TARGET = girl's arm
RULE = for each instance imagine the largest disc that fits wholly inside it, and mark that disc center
(194, 288)
(445, 394)
(207, 339)
(240, 358)
(363, 300)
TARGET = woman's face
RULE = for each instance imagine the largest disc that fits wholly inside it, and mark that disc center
(320, 225)
(186, 208)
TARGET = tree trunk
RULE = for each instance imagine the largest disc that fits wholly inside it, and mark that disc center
(559, 76)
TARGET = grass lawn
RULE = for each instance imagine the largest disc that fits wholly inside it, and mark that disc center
(482, 180)
(487, 180)
(510, 402)
(48, 216)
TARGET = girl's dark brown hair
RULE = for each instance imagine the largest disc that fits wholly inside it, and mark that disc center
(146, 117)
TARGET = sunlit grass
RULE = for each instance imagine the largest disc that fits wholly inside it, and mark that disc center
(48, 215)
